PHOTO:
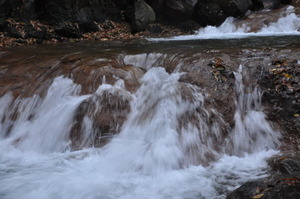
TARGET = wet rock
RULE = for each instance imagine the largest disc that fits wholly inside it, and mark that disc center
(283, 186)
(141, 15)
(248, 190)
(100, 117)
(14, 32)
(7, 7)
(219, 70)
(66, 30)
(257, 4)
(215, 12)
(56, 11)
(271, 4)
(283, 182)
(286, 1)
(155, 29)
(123, 4)
(88, 27)
(235, 8)
(158, 6)
(31, 32)
(188, 26)
(209, 13)
(179, 10)
(285, 164)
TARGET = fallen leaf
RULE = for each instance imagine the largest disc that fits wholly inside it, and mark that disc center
(258, 196)
(286, 75)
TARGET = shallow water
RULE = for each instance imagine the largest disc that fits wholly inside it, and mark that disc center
(169, 146)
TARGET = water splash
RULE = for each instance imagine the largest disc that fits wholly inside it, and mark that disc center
(42, 125)
(252, 133)
(169, 133)
(286, 25)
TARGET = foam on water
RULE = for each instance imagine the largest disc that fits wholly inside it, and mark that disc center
(41, 125)
(154, 156)
(286, 25)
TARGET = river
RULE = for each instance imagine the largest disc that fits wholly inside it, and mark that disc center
(140, 118)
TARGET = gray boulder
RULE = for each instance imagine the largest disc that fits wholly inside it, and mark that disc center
(209, 12)
(214, 12)
(141, 16)
(271, 4)
(179, 10)
(235, 8)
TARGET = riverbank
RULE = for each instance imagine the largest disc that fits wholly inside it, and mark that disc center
(19, 29)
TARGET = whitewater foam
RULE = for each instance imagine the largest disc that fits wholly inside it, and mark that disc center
(286, 25)
(154, 156)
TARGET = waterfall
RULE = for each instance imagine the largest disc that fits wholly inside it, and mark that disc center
(252, 133)
(172, 144)
(41, 125)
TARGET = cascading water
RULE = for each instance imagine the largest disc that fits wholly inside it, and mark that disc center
(171, 145)
(166, 139)
(289, 24)
(41, 125)
(252, 133)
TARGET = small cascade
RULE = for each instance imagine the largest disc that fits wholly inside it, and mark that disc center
(101, 116)
(168, 128)
(42, 125)
(166, 140)
(288, 24)
(252, 133)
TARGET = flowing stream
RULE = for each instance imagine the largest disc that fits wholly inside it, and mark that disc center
(172, 144)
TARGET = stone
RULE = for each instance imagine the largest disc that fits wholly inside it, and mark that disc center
(271, 4)
(7, 7)
(247, 190)
(31, 32)
(65, 30)
(179, 10)
(286, 1)
(57, 11)
(158, 6)
(235, 8)
(88, 27)
(208, 12)
(257, 4)
(141, 16)
(107, 112)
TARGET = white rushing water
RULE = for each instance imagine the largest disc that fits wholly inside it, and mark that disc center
(159, 153)
(286, 25)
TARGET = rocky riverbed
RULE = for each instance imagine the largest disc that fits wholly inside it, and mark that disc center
(109, 50)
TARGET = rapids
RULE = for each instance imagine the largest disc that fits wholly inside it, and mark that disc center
(173, 142)
(288, 24)
(152, 157)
